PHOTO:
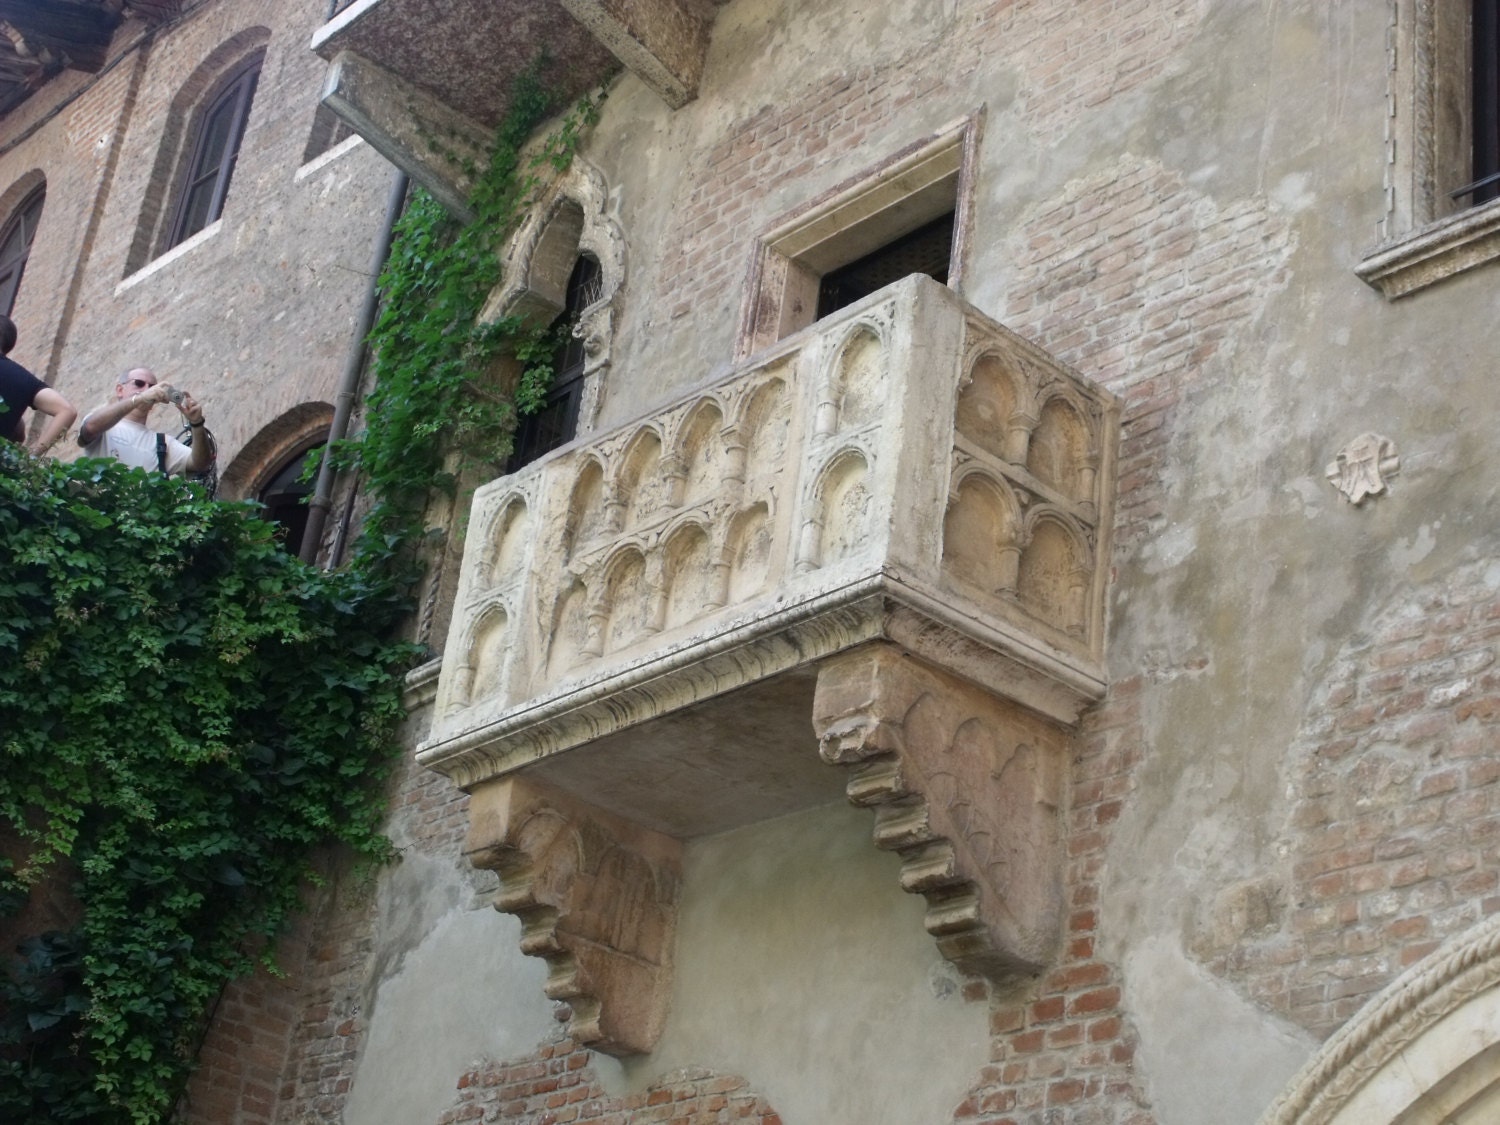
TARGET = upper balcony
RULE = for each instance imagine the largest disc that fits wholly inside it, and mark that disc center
(427, 83)
(885, 537)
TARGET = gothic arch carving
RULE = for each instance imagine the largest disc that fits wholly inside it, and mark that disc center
(1059, 447)
(572, 219)
(1052, 581)
(982, 533)
(508, 539)
(995, 409)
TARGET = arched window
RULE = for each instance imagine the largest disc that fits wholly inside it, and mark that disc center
(215, 150)
(557, 420)
(15, 247)
(284, 499)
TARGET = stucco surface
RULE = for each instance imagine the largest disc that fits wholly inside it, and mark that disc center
(799, 958)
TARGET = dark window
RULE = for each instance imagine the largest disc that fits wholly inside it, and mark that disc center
(556, 422)
(15, 248)
(285, 501)
(928, 249)
(1485, 33)
(215, 150)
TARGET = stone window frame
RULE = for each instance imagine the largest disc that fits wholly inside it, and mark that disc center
(1425, 236)
(571, 219)
(157, 224)
(918, 183)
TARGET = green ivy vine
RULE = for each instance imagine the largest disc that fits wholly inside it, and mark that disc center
(437, 407)
(187, 712)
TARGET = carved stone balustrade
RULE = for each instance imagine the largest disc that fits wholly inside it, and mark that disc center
(888, 535)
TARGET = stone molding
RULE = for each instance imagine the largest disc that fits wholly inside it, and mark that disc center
(1434, 253)
(1386, 1028)
(597, 899)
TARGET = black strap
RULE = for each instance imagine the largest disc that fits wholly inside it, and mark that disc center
(161, 453)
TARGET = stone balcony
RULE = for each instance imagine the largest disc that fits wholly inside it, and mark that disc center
(880, 544)
(427, 83)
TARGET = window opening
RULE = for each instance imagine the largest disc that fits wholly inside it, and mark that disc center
(928, 249)
(215, 154)
(557, 420)
(284, 501)
(15, 248)
(1485, 32)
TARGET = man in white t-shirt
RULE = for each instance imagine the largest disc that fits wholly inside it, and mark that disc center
(119, 429)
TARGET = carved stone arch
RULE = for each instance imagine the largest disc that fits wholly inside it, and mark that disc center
(484, 655)
(180, 127)
(840, 507)
(640, 487)
(571, 636)
(983, 532)
(747, 553)
(763, 427)
(853, 380)
(996, 408)
(698, 448)
(259, 459)
(1062, 446)
(571, 220)
(587, 506)
(1052, 580)
(506, 540)
(1425, 1050)
(627, 598)
(692, 582)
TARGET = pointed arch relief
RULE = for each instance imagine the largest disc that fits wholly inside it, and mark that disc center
(765, 427)
(982, 535)
(1425, 1051)
(586, 519)
(568, 638)
(642, 487)
(509, 541)
(701, 452)
(628, 598)
(487, 654)
(993, 409)
(692, 587)
(748, 550)
(856, 385)
(844, 509)
(1053, 573)
(1059, 449)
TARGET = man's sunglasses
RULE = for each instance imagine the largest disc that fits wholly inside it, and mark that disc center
(141, 384)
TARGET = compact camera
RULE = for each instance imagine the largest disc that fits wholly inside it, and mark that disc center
(176, 395)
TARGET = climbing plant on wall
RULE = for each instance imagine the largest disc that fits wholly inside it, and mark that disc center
(187, 712)
(437, 405)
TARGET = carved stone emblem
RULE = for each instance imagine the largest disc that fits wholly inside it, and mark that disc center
(1363, 467)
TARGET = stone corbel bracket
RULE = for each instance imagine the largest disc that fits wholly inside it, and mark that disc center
(966, 788)
(435, 144)
(597, 899)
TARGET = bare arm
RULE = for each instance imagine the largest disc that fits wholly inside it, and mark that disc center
(103, 419)
(60, 415)
(201, 447)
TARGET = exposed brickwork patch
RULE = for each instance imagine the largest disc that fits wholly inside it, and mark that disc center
(1394, 829)
(557, 1086)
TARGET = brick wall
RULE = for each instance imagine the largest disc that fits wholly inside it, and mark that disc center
(1393, 839)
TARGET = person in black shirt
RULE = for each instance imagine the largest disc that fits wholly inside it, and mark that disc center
(19, 389)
